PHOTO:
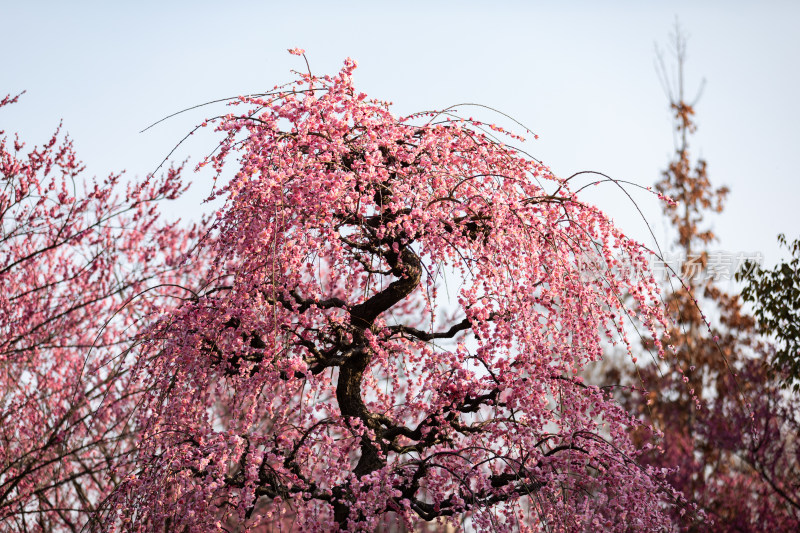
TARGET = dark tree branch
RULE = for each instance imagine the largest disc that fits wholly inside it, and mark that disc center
(425, 336)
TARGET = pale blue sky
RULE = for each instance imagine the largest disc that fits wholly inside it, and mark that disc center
(580, 74)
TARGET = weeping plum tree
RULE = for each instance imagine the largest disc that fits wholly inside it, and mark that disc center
(392, 333)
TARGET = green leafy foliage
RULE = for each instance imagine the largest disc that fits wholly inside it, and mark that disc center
(775, 295)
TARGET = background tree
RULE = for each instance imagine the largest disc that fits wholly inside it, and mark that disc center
(775, 296)
(74, 255)
(730, 437)
(331, 373)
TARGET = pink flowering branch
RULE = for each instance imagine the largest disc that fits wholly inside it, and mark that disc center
(73, 255)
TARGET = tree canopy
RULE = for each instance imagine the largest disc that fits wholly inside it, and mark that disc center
(392, 327)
